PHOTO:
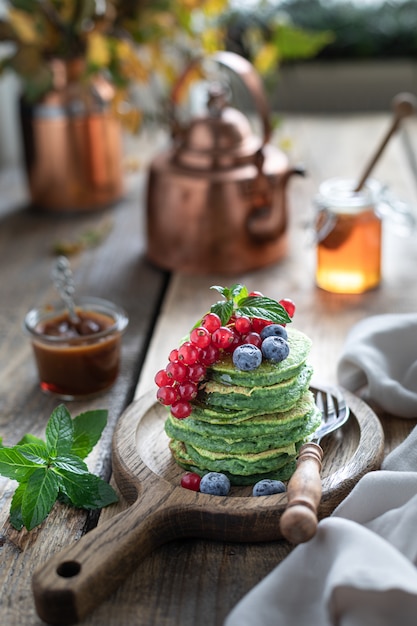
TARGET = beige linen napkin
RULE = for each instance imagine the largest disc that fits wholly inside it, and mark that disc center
(359, 569)
(381, 352)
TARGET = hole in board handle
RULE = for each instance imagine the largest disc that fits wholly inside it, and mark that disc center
(68, 569)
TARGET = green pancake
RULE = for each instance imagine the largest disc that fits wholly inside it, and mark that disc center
(253, 435)
(267, 373)
(279, 397)
(242, 469)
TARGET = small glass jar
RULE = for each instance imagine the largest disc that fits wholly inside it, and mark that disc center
(349, 236)
(80, 358)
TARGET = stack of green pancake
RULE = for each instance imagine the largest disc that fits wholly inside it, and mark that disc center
(249, 425)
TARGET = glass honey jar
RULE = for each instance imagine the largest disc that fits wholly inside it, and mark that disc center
(349, 236)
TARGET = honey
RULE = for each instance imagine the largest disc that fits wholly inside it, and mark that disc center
(349, 241)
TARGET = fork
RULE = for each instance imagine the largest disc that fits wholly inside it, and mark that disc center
(299, 521)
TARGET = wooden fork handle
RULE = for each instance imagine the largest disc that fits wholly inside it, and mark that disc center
(299, 521)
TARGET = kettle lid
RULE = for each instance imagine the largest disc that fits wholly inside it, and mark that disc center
(222, 139)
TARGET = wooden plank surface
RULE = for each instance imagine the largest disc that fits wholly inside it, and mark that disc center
(188, 582)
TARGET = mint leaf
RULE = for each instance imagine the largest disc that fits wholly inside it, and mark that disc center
(70, 463)
(88, 428)
(39, 497)
(264, 308)
(16, 518)
(223, 309)
(54, 469)
(59, 431)
(14, 465)
(36, 452)
(87, 491)
(28, 438)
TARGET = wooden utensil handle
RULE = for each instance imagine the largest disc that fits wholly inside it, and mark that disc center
(299, 521)
(76, 580)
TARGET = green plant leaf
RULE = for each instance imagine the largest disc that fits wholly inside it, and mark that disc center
(16, 518)
(14, 465)
(87, 491)
(28, 438)
(264, 308)
(88, 428)
(36, 452)
(223, 309)
(39, 497)
(70, 463)
(59, 431)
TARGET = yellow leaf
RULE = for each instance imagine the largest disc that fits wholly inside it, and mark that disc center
(24, 26)
(98, 53)
(214, 7)
(131, 65)
(266, 58)
(212, 40)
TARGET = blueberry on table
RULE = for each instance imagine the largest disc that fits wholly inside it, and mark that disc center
(247, 357)
(267, 487)
(275, 349)
(215, 484)
(274, 330)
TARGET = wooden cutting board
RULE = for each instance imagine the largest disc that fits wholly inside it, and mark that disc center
(76, 580)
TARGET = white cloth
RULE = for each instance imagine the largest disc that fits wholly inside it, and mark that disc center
(381, 352)
(360, 567)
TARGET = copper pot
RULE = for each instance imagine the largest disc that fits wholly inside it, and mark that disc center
(216, 200)
(72, 143)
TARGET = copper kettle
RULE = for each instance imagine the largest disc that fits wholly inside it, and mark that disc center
(216, 199)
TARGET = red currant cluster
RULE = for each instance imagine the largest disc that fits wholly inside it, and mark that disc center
(178, 382)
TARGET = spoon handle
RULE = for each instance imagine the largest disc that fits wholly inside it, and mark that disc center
(64, 283)
(404, 104)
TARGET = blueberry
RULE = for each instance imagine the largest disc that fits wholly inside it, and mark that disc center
(247, 357)
(215, 484)
(275, 349)
(274, 330)
(267, 487)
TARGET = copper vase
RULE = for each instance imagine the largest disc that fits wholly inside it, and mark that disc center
(72, 143)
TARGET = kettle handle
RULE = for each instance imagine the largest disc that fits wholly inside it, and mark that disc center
(249, 76)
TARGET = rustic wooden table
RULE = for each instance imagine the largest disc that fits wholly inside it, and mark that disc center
(189, 582)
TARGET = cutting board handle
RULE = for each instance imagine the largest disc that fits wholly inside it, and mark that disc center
(298, 523)
(77, 579)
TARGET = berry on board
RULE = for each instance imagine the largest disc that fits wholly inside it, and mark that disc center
(215, 484)
(191, 480)
(267, 487)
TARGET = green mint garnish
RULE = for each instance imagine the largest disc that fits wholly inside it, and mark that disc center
(238, 301)
(54, 469)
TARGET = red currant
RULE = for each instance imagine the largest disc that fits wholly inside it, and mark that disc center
(187, 390)
(191, 480)
(210, 355)
(222, 337)
(162, 378)
(173, 356)
(188, 353)
(201, 337)
(212, 322)
(237, 340)
(288, 305)
(181, 409)
(258, 324)
(253, 338)
(177, 371)
(243, 324)
(167, 395)
(256, 294)
(196, 372)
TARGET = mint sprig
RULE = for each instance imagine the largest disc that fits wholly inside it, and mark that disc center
(54, 469)
(237, 301)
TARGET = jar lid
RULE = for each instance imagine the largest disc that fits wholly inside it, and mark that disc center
(339, 194)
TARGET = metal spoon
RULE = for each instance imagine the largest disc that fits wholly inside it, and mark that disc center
(404, 105)
(64, 283)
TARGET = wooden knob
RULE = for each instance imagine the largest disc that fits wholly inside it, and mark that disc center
(299, 521)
